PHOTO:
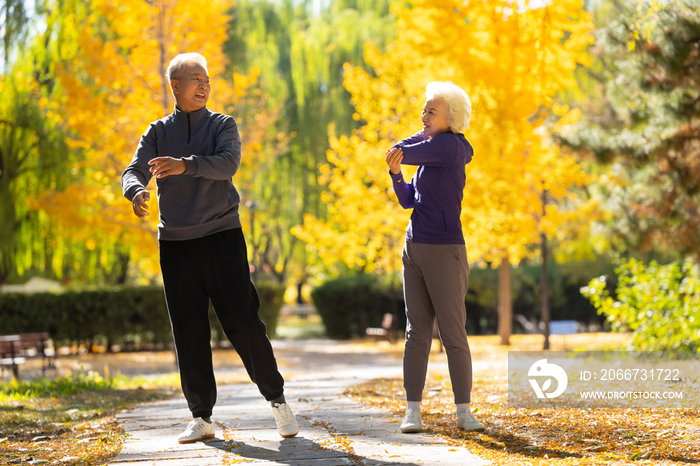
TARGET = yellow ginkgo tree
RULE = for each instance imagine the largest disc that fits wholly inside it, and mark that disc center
(512, 58)
(114, 85)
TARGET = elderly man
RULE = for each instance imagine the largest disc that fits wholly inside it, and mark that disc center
(193, 153)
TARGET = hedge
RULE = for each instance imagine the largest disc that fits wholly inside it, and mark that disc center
(129, 317)
(348, 305)
(565, 299)
(271, 301)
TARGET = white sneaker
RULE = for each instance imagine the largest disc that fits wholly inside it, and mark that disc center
(467, 421)
(411, 423)
(287, 424)
(198, 429)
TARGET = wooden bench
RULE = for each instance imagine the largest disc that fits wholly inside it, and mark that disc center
(302, 310)
(384, 331)
(16, 349)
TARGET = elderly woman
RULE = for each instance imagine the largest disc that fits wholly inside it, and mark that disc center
(435, 266)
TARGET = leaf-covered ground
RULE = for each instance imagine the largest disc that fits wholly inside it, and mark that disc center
(71, 421)
(70, 418)
(78, 429)
(544, 436)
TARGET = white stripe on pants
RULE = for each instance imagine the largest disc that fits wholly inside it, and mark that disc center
(435, 281)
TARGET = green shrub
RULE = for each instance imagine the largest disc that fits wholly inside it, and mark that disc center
(116, 316)
(349, 305)
(565, 299)
(343, 302)
(659, 303)
(130, 317)
(271, 301)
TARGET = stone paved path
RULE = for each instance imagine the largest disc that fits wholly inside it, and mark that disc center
(334, 430)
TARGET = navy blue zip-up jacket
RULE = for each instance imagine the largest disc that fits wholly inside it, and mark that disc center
(436, 190)
(203, 200)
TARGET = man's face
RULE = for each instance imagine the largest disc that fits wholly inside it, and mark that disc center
(191, 87)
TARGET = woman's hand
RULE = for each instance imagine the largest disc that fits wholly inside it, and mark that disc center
(393, 159)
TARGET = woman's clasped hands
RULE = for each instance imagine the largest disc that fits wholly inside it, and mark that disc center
(394, 157)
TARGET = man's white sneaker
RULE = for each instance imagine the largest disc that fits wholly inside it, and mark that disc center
(287, 424)
(411, 423)
(467, 421)
(198, 429)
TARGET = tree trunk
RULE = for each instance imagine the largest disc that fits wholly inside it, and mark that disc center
(505, 302)
(164, 83)
(361, 314)
(123, 259)
(8, 221)
(544, 291)
(544, 285)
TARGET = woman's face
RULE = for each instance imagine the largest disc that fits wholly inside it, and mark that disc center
(434, 118)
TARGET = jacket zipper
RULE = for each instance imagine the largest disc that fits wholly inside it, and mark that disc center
(444, 221)
(189, 132)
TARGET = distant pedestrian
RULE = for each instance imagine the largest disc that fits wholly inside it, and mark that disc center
(193, 153)
(435, 265)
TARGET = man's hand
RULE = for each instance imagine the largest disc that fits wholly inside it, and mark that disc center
(393, 159)
(166, 166)
(139, 204)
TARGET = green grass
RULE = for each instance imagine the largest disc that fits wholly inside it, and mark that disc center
(69, 411)
(15, 390)
(297, 328)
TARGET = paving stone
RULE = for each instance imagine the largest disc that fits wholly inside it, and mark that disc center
(334, 430)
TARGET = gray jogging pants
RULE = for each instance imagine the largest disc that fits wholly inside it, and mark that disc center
(435, 281)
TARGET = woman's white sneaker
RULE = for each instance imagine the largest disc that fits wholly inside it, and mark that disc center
(467, 421)
(411, 423)
(198, 429)
(287, 424)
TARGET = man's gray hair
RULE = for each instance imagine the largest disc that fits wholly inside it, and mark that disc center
(459, 107)
(179, 61)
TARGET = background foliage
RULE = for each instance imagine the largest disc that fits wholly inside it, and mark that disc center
(350, 304)
(640, 124)
(659, 303)
(133, 318)
(585, 129)
(511, 63)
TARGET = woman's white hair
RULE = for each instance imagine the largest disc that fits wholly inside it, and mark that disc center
(459, 107)
(179, 61)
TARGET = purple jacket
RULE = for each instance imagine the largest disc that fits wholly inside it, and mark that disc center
(436, 190)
